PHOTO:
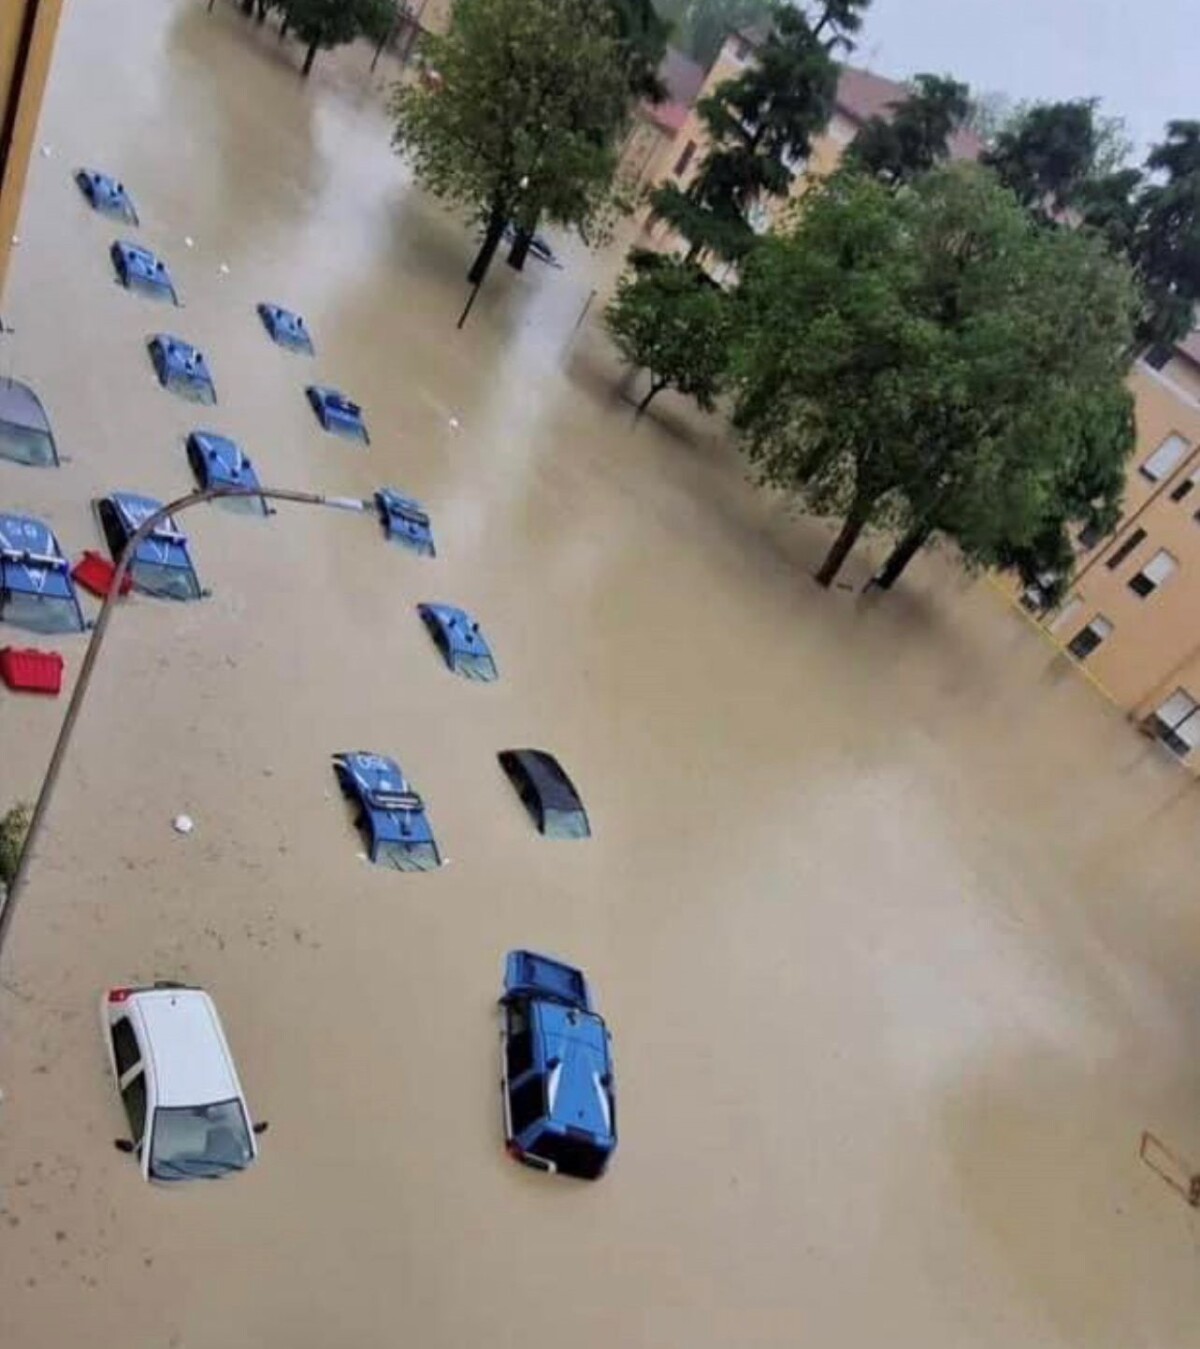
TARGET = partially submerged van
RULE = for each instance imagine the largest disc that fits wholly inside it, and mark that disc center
(560, 1111)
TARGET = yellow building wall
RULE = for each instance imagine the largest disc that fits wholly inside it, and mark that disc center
(1155, 640)
(21, 88)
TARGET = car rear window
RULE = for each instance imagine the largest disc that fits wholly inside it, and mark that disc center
(571, 1153)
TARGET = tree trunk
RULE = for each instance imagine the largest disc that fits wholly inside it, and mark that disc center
(903, 553)
(520, 250)
(284, 24)
(247, 6)
(656, 387)
(491, 241)
(261, 17)
(854, 525)
(309, 57)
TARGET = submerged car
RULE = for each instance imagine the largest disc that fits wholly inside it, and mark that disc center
(391, 815)
(539, 246)
(25, 434)
(459, 638)
(106, 195)
(140, 270)
(556, 1073)
(286, 329)
(181, 368)
(337, 414)
(405, 521)
(548, 793)
(188, 1118)
(218, 461)
(162, 564)
(36, 590)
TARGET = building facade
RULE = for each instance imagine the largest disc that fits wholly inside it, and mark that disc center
(1132, 612)
(27, 32)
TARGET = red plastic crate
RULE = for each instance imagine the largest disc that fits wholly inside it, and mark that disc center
(31, 671)
(95, 574)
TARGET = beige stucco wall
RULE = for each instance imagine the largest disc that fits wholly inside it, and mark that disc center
(1155, 640)
(14, 14)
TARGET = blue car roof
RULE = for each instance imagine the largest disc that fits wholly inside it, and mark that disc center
(462, 633)
(528, 974)
(137, 265)
(394, 811)
(222, 462)
(31, 560)
(286, 328)
(106, 195)
(575, 1050)
(336, 412)
(181, 367)
(405, 520)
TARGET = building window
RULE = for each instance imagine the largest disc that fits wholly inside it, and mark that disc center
(681, 164)
(1153, 574)
(1089, 536)
(1086, 640)
(1165, 459)
(1177, 723)
(1178, 493)
(1125, 549)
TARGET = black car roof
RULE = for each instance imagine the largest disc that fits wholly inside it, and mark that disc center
(548, 777)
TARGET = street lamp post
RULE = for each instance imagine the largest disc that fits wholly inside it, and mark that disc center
(91, 655)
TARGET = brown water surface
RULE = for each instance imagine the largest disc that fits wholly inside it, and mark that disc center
(894, 920)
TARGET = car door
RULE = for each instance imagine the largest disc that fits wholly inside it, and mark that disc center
(131, 1081)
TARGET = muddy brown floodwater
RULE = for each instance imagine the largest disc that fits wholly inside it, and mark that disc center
(894, 921)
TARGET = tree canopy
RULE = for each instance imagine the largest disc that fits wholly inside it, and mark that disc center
(917, 135)
(322, 24)
(932, 359)
(669, 319)
(531, 99)
(759, 126)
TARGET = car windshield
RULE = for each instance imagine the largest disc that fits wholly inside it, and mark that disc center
(475, 666)
(172, 583)
(408, 856)
(566, 824)
(26, 445)
(192, 387)
(40, 613)
(200, 1141)
(243, 505)
(155, 289)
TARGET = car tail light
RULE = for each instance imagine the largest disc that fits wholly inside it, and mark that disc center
(516, 1151)
(119, 994)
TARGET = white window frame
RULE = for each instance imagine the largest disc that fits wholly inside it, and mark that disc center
(1163, 461)
(1158, 571)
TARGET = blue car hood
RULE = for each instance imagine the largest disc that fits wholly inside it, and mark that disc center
(31, 560)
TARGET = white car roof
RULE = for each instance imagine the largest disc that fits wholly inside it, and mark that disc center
(189, 1057)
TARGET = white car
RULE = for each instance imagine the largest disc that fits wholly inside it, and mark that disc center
(188, 1118)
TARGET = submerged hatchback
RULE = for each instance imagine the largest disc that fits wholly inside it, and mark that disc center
(188, 1118)
(556, 1073)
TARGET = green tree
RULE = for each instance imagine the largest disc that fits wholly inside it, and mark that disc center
(758, 125)
(670, 320)
(533, 96)
(945, 362)
(641, 37)
(916, 136)
(1166, 249)
(322, 24)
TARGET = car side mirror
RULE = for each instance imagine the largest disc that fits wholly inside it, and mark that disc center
(262, 1126)
(123, 1145)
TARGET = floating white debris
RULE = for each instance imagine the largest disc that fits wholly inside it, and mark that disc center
(183, 824)
(188, 241)
(16, 239)
(224, 269)
(46, 152)
(454, 423)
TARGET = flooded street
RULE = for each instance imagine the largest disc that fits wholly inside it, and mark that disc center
(894, 921)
